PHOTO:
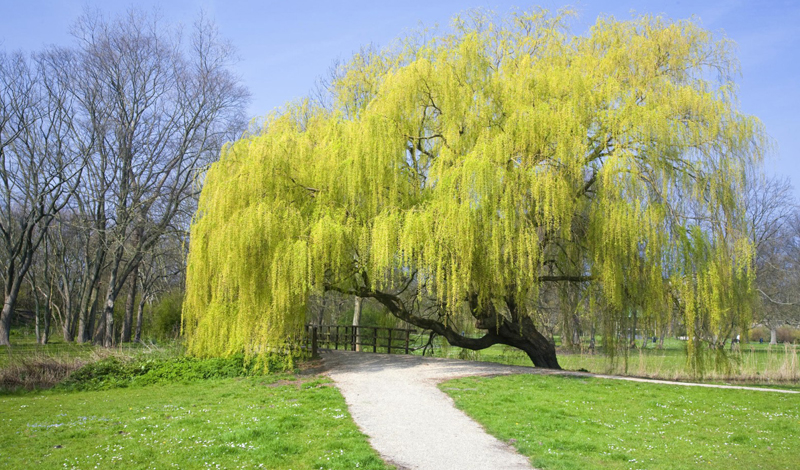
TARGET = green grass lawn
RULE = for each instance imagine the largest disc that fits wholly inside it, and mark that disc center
(752, 363)
(583, 423)
(273, 422)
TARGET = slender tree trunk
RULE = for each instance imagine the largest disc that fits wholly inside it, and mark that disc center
(321, 316)
(5, 319)
(86, 311)
(47, 317)
(69, 315)
(129, 304)
(111, 297)
(357, 322)
(108, 314)
(576, 329)
(139, 319)
(36, 310)
(91, 315)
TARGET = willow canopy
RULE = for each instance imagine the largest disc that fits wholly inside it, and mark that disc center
(461, 173)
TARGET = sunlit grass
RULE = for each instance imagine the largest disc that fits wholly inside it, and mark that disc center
(751, 363)
(584, 423)
(273, 422)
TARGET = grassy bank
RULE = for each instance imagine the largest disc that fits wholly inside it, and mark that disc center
(578, 423)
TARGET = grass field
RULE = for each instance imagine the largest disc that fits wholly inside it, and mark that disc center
(581, 423)
(256, 422)
(752, 363)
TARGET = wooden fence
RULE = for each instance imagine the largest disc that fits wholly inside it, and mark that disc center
(363, 338)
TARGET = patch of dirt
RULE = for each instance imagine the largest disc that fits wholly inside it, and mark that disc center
(311, 368)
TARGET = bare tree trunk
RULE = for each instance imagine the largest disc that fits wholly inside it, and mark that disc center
(108, 309)
(357, 322)
(91, 314)
(139, 319)
(13, 285)
(773, 335)
(68, 324)
(129, 303)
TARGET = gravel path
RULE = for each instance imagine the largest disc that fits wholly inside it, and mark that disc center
(414, 425)
(410, 422)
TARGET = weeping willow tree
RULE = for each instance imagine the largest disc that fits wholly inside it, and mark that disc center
(462, 174)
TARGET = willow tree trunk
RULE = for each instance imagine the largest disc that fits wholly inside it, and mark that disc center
(519, 331)
(357, 322)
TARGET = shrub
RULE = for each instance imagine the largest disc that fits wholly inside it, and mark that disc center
(788, 334)
(167, 315)
(759, 333)
(115, 372)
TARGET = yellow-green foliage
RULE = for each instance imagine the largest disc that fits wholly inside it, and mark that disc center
(478, 159)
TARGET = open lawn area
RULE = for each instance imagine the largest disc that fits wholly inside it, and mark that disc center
(255, 422)
(571, 423)
(751, 363)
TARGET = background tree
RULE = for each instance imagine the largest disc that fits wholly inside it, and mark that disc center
(40, 165)
(137, 109)
(456, 176)
(772, 216)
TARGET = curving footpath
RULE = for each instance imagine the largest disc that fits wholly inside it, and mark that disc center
(414, 425)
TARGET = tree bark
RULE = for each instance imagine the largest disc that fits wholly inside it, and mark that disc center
(773, 335)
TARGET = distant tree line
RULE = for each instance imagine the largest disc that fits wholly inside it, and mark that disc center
(101, 147)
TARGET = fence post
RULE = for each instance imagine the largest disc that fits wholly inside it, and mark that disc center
(407, 337)
(336, 338)
(374, 339)
(390, 341)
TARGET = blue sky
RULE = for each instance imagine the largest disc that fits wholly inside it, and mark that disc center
(285, 46)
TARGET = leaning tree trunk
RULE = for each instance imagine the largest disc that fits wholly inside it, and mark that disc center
(519, 331)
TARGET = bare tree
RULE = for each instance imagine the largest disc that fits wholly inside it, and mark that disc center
(39, 166)
(772, 216)
(164, 109)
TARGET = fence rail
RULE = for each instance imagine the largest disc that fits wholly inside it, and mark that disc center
(359, 338)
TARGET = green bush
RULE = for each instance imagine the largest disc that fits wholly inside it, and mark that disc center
(167, 315)
(115, 372)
